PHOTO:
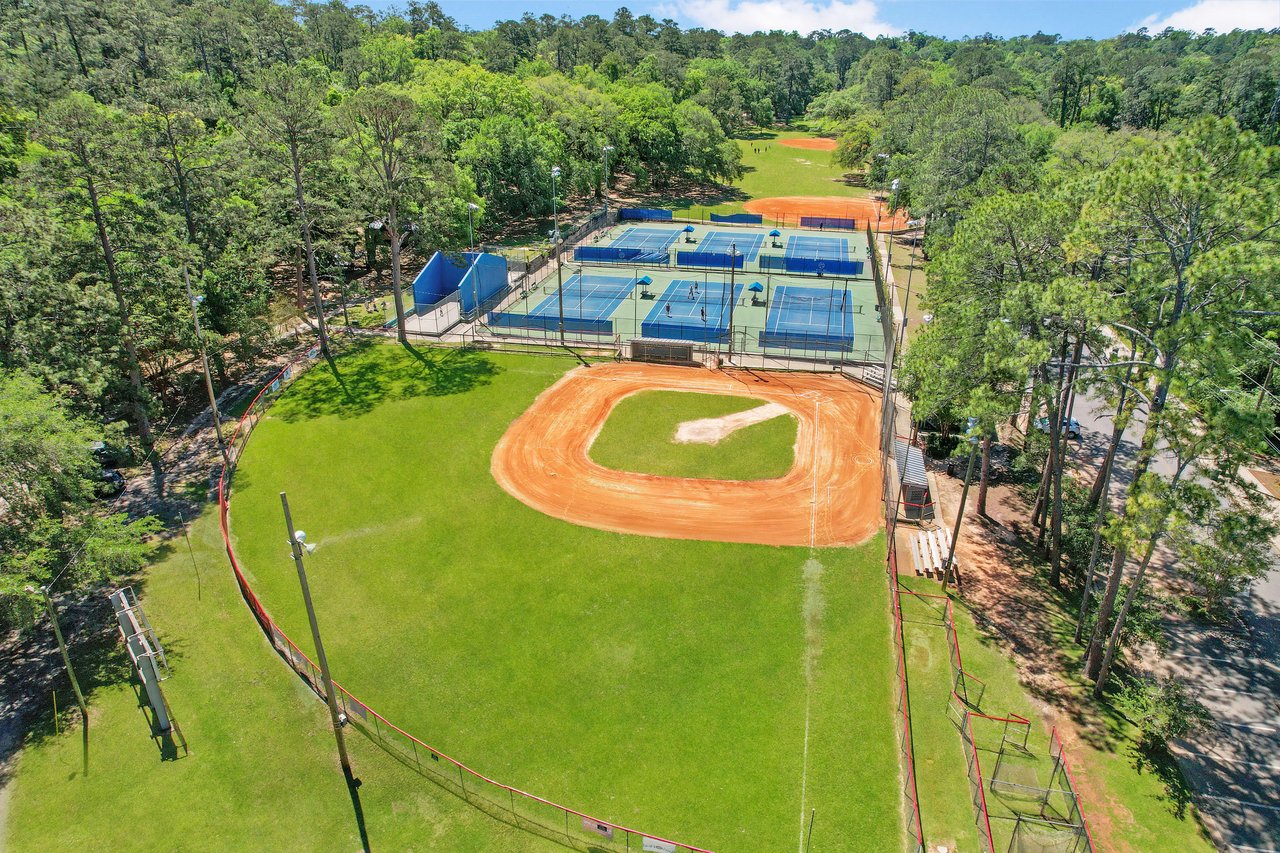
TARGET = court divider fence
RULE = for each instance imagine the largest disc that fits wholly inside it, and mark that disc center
(520, 809)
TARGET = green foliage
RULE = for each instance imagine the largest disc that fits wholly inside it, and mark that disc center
(1224, 549)
(1163, 711)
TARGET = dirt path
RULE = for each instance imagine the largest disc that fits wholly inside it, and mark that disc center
(829, 497)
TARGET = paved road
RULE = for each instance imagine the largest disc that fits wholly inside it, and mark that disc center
(1233, 769)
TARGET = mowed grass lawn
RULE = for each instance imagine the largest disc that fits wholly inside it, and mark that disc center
(1138, 813)
(639, 436)
(774, 169)
(655, 683)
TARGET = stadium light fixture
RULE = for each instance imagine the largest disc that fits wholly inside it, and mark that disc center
(555, 247)
(471, 237)
(298, 546)
(606, 151)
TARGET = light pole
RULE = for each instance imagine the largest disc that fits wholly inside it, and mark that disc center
(555, 247)
(733, 258)
(606, 151)
(208, 380)
(297, 544)
(471, 236)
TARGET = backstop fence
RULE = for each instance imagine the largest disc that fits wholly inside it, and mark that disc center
(528, 812)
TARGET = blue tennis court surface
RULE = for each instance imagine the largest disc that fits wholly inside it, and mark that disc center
(813, 318)
(651, 239)
(588, 301)
(692, 311)
(818, 248)
(748, 245)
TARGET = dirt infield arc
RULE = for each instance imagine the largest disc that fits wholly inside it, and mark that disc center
(831, 495)
(792, 207)
(813, 144)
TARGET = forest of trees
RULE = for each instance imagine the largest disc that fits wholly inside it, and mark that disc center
(244, 146)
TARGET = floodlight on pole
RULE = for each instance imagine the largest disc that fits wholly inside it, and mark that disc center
(298, 546)
(471, 237)
(606, 149)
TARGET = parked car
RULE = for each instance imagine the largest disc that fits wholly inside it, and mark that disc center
(108, 484)
(112, 455)
(1071, 427)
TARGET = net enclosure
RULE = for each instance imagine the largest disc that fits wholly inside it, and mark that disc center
(692, 311)
(809, 318)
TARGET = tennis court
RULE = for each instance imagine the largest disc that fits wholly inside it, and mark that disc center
(588, 301)
(809, 318)
(747, 244)
(692, 311)
(818, 248)
(649, 239)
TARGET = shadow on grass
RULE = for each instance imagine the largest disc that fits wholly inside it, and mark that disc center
(371, 373)
(1159, 761)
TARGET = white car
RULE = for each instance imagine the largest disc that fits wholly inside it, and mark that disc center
(1071, 427)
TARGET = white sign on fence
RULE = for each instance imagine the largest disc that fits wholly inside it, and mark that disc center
(653, 845)
(598, 828)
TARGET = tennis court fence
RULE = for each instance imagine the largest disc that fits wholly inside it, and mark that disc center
(810, 266)
(525, 811)
(847, 223)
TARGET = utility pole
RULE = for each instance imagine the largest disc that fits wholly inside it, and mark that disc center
(297, 543)
(948, 566)
(208, 379)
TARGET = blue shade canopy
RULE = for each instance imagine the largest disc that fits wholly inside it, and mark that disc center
(755, 287)
(644, 279)
(688, 228)
(775, 233)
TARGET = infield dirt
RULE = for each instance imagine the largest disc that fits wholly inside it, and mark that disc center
(831, 495)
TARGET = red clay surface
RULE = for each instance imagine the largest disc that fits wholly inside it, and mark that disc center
(831, 495)
(811, 144)
(792, 207)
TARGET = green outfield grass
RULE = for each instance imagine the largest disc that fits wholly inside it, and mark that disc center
(656, 683)
(777, 170)
(640, 436)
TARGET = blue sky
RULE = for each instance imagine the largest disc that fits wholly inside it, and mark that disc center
(952, 18)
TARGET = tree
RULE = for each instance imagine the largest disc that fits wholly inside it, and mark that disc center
(395, 151)
(93, 151)
(289, 129)
(1193, 219)
(1223, 549)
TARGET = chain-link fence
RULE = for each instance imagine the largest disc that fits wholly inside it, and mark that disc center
(517, 808)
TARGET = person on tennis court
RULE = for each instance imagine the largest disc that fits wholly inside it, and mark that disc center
(704, 314)
(668, 309)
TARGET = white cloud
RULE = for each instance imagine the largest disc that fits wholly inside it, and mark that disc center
(803, 16)
(1221, 15)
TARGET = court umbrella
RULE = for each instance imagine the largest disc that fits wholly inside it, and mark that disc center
(756, 287)
(688, 230)
(775, 234)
